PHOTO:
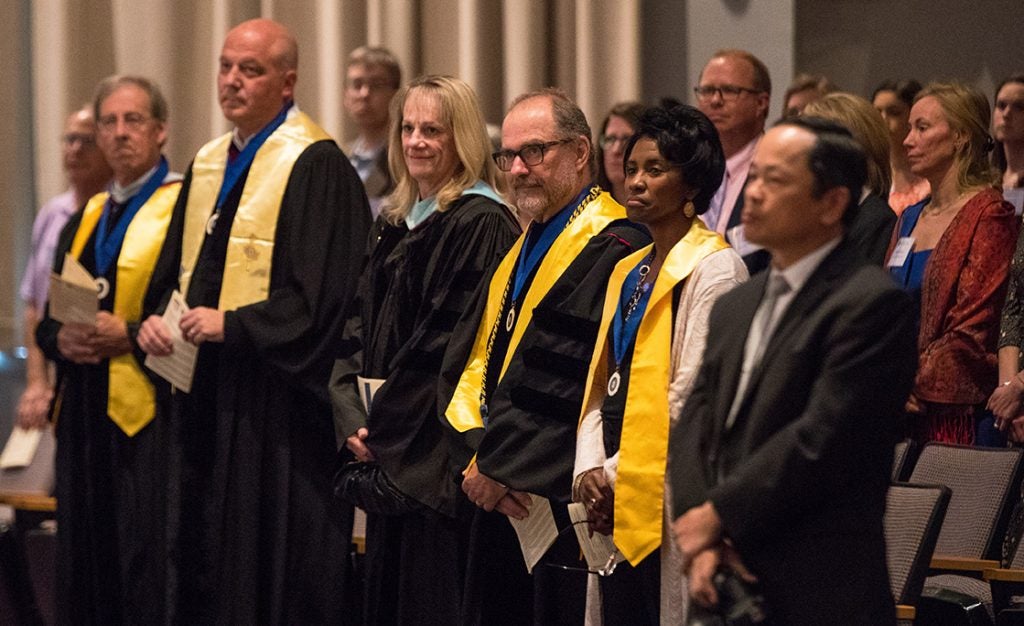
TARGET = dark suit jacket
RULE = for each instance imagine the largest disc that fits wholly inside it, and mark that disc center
(872, 228)
(800, 478)
(869, 233)
(759, 259)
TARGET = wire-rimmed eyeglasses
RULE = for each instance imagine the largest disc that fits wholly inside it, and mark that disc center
(605, 570)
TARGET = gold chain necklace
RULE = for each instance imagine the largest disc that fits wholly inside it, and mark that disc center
(594, 192)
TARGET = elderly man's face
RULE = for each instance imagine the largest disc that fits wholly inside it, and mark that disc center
(251, 84)
(129, 136)
(542, 189)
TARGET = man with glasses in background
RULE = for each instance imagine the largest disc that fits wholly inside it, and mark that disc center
(110, 470)
(734, 91)
(88, 173)
(372, 77)
(516, 368)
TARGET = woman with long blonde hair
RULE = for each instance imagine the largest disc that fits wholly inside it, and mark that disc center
(438, 233)
(952, 250)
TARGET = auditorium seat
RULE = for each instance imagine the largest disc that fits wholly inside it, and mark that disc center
(913, 517)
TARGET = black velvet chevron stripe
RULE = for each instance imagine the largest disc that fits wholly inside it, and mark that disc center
(569, 326)
(555, 407)
(555, 363)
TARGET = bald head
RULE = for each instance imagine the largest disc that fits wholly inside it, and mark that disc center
(258, 71)
(274, 36)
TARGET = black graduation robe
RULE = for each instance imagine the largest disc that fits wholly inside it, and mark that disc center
(416, 286)
(111, 536)
(529, 442)
(258, 535)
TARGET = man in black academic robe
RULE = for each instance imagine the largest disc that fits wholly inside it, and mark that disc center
(527, 346)
(109, 465)
(266, 245)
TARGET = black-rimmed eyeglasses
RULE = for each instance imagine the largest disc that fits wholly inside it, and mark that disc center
(531, 154)
(729, 93)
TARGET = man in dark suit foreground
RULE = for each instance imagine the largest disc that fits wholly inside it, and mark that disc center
(781, 459)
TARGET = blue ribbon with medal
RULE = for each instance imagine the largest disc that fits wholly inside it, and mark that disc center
(531, 255)
(628, 316)
(234, 169)
(108, 243)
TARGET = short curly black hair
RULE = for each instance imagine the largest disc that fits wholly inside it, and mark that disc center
(686, 138)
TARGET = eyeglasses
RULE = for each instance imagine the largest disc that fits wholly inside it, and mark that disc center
(607, 569)
(86, 141)
(607, 141)
(531, 154)
(729, 93)
(132, 121)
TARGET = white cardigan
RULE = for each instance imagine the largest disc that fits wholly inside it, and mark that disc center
(716, 274)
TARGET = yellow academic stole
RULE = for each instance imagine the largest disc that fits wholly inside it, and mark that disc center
(463, 412)
(246, 277)
(643, 448)
(131, 399)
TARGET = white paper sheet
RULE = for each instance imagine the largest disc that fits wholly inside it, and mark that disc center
(537, 532)
(599, 550)
(21, 448)
(179, 366)
(73, 294)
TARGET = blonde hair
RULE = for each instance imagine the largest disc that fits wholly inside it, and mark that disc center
(868, 129)
(461, 115)
(968, 115)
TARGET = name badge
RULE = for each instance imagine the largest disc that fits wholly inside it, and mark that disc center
(1016, 198)
(900, 252)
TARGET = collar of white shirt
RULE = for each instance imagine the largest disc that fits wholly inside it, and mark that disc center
(798, 273)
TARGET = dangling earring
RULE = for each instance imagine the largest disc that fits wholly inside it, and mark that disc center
(689, 210)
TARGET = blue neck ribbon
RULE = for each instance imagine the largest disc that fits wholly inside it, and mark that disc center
(107, 245)
(539, 240)
(234, 169)
(623, 330)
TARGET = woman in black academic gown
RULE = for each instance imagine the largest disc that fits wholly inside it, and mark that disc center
(439, 232)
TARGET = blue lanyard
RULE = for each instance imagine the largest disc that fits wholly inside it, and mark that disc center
(235, 168)
(107, 245)
(531, 255)
(624, 330)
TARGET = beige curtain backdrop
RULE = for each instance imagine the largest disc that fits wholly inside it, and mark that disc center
(599, 51)
(502, 48)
